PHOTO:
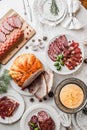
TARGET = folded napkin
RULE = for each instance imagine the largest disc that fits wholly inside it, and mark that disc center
(71, 22)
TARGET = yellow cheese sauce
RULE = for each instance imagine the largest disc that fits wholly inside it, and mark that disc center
(71, 96)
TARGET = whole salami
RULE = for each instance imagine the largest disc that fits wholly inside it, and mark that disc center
(9, 43)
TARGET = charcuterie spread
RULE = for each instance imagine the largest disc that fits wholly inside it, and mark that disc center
(64, 52)
(28, 72)
(41, 121)
(7, 107)
(14, 33)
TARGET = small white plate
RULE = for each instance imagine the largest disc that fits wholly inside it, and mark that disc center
(64, 69)
(49, 21)
(81, 119)
(34, 110)
(20, 110)
(19, 90)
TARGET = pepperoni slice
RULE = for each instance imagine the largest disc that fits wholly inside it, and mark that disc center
(42, 116)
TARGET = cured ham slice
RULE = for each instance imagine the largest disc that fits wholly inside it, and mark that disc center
(5, 31)
(35, 86)
(16, 21)
(43, 88)
(7, 26)
(7, 107)
(48, 75)
(9, 43)
(2, 37)
(11, 22)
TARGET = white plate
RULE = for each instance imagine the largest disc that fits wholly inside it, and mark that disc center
(44, 9)
(74, 122)
(46, 21)
(34, 110)
(19, 90)
(64, 69)
(19, 112)
(81, 119)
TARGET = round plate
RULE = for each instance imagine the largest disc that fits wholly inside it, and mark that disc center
(64, 69)
(44, 20)
(44, 10)
(19, 90)
(19, 112)
(81, 119)
(76, 81)
(34, 110)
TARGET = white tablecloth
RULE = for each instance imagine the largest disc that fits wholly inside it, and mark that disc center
(50, 32)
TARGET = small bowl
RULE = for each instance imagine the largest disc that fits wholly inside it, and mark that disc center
(59, 104)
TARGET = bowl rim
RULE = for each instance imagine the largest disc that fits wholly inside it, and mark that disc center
(59, 104)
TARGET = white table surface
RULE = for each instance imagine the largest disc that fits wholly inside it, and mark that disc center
(50, 32)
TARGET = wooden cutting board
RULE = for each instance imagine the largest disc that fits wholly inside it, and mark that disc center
(84, 3)
(28, 33)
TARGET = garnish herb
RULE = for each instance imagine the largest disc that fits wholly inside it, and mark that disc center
(4, 81)
(54, 8)
(59, 62)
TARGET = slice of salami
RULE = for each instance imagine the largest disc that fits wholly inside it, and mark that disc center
(11, 22)
(42, 116)
(34, 119)
(2, 37)
(17, 22)
(5, 31)
(7, 26)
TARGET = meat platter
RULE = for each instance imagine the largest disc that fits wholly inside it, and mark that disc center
(14, 33)
(43, 112)
(64, 54)
(11, 107)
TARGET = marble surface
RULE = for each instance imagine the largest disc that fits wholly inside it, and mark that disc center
(50, 32)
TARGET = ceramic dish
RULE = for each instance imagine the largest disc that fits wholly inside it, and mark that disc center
(19, 112)
(78, 82)
(19, 90)
(64, 70)
(34, 110)
(45, 20)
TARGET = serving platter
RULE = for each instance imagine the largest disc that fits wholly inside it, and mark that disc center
(64, 70)
(42, 11)
(34, 110)
(19, 90)
(20, 110)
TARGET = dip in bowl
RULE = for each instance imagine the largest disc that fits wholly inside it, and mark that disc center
(70, 95)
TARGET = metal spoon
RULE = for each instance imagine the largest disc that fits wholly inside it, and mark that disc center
(65, 120)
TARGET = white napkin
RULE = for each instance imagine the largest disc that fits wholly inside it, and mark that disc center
(71, 22)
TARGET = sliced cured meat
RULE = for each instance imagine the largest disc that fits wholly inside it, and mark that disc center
(48, 75)
(47, 124)
(64, 40)
(43, 88)
(5, 31)
(17, 22)
(7, 26)
(42, 116)
(7, 107)
(11, 22)
(35, 86)
(2, 37)
(51, 55)
(34, 119)
(10, 42)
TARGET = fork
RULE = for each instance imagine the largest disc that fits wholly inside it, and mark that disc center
(29, 8)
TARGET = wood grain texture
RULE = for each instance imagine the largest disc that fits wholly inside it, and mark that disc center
(29, 32)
